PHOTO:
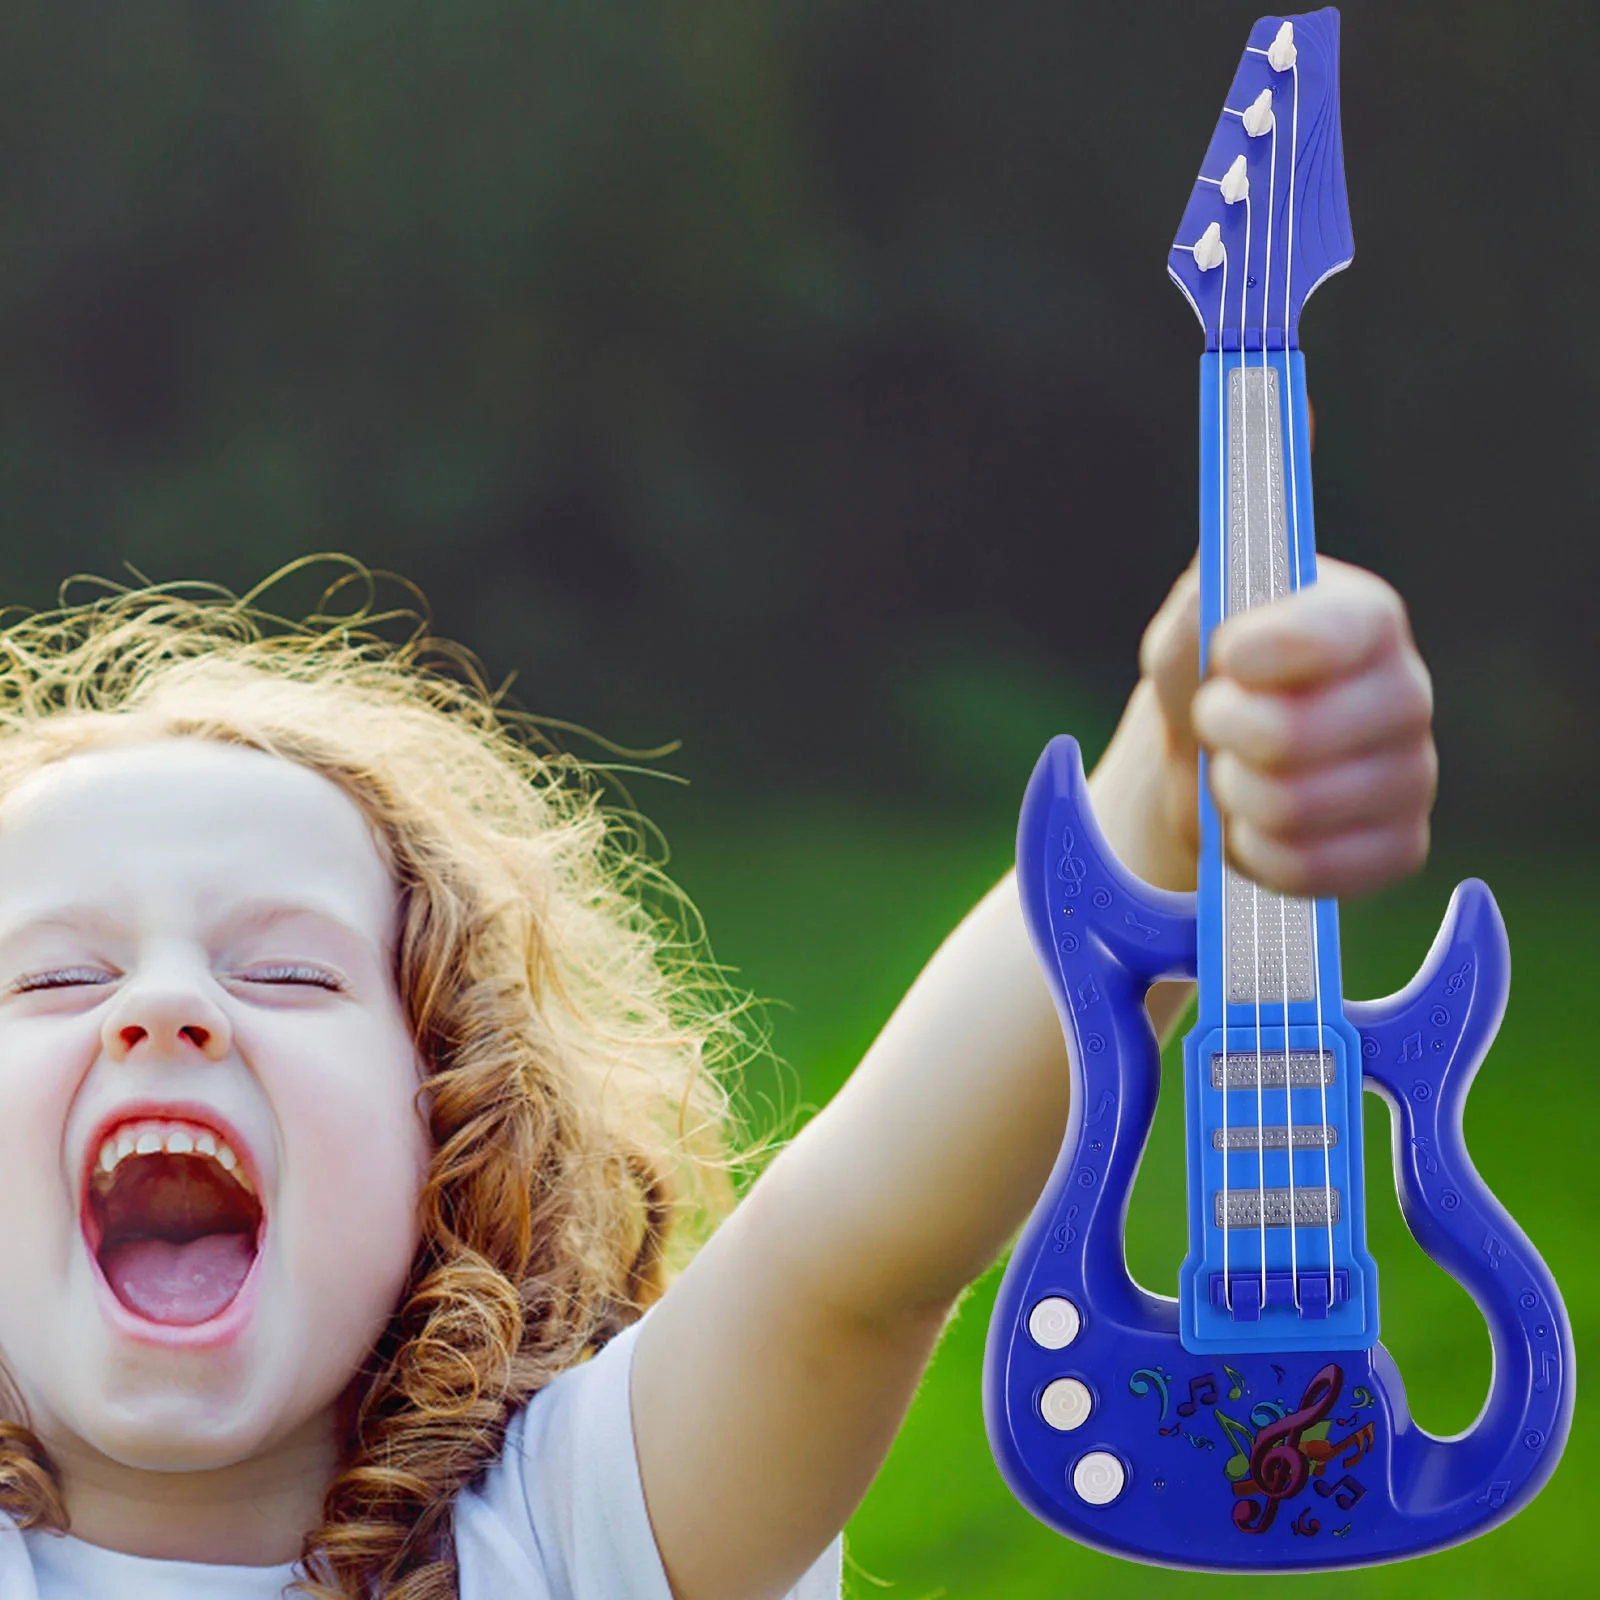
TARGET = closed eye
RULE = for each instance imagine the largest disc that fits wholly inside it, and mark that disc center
(294, 972)
(60, 978)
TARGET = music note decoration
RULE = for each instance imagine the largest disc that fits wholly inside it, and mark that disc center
(1279, 1451)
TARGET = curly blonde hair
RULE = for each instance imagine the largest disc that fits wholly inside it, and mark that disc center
(569, 1026)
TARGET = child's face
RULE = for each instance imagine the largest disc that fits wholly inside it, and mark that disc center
(171, 917)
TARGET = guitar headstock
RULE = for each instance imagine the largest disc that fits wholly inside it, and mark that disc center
(1269, 218)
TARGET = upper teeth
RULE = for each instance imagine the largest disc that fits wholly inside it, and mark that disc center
(176, 1139)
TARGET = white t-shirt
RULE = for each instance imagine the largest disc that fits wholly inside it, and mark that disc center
(560, 1516)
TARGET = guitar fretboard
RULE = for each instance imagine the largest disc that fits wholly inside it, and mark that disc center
(1269, 936)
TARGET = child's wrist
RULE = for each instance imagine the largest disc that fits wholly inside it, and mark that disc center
(1135, 788)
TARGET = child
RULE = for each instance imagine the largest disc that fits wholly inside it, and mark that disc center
(271, 1314)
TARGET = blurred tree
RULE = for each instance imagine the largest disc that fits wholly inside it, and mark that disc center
(799, 377)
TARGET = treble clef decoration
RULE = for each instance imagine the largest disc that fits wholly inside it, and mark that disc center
(1277, 1464)
(1278, 1293)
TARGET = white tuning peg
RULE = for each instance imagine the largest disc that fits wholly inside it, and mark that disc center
(1259, 119)
(1281, 55)
(1235, 183)
(1208, 251)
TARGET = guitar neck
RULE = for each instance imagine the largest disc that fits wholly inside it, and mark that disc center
(1256, 545)
(1273, 1069)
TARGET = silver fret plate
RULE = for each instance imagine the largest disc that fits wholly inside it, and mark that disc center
(1247, 1070)
(1313, 1136)
(1243, 1207)
(1269, 935)
(1257, 548)
(1265, 928)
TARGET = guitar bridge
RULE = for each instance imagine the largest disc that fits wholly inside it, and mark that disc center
(1246, 1304)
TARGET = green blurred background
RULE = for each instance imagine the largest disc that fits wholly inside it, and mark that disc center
(800, 379)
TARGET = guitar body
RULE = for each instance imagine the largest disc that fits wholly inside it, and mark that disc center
(1254, 1422)
(1253, 1460)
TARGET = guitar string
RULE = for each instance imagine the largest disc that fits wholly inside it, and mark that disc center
(1222, 587)
(1295, 583)
(1222, 607)
(1272, 565)
(1255, 893)
(1222, 539)
(1222, 531)
(1294, 551)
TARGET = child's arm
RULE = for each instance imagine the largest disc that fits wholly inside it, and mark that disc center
(770, 1381)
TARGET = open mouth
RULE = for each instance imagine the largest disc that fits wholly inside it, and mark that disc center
(173, 1220)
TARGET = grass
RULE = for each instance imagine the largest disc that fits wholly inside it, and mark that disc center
(830, 913)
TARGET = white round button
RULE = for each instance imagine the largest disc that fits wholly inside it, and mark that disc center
(1098, 1478)
(1054, 1323)
(1065, 1405)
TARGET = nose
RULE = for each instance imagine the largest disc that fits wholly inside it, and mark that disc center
(169, 1017)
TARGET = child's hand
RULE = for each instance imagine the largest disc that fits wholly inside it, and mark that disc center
(1317, 715)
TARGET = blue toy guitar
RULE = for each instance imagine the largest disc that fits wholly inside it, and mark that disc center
(1255, 1423)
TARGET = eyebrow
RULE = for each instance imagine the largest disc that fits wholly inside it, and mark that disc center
(265, 911)
(68, 916)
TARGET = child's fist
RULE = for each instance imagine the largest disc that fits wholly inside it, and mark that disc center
(1317, 715)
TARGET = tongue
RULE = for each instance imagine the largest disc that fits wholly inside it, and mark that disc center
(178, 1283)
